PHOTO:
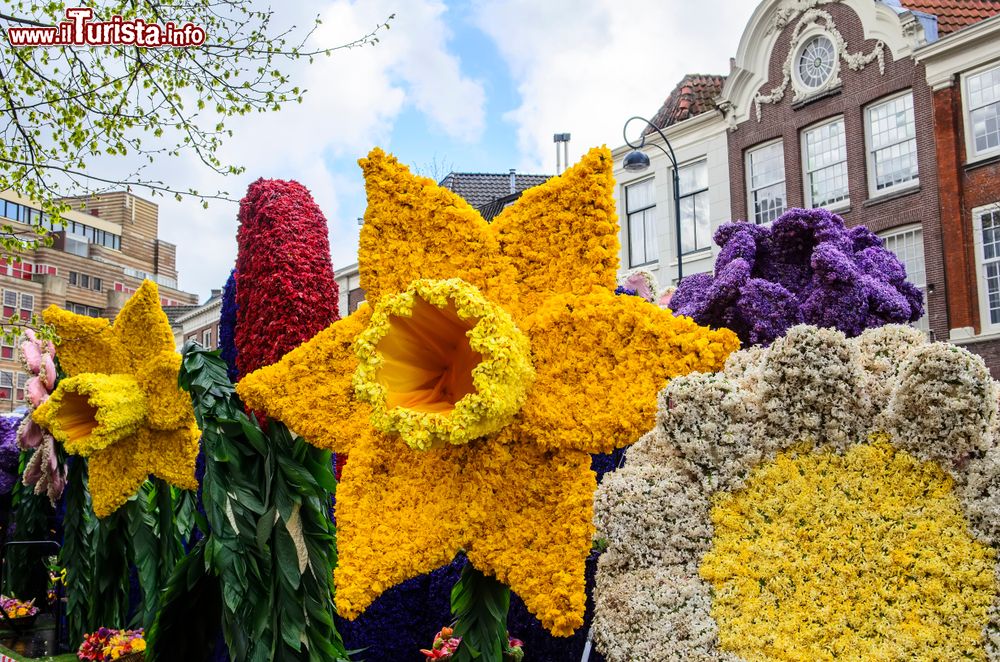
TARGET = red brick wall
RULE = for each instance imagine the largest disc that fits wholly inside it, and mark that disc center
(963, 188)
(786, 120)
(956, 224)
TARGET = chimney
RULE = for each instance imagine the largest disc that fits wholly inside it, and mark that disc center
(513, 180)
(216, 294)
(562, 151)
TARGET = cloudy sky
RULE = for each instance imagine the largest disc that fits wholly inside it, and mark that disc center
(476, 86)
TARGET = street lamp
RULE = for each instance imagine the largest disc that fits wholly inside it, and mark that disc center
(637, 161)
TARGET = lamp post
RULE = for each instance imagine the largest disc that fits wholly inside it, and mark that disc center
(637, 161)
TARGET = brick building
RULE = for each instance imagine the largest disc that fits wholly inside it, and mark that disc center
(108, 246)
(963, 71)
(827, 107)
(887, 112)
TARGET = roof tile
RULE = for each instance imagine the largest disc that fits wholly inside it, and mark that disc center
(695, 94)
(954, 15)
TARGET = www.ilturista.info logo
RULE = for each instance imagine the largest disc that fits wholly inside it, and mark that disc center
(80, 29)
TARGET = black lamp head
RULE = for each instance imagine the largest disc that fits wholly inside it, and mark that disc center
(635, 161)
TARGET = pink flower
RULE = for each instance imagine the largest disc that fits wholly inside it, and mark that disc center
(32, 355)
(29, 434)
(37, 393)
(48, 371)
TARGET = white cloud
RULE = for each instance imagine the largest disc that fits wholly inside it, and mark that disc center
(586, 68)
(353, 100)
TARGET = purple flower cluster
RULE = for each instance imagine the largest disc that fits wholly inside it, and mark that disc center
(807, 268)
(10, 452)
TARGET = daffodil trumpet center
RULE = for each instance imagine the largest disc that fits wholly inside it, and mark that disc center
(427, 361)
(91, 411)
(440, 363)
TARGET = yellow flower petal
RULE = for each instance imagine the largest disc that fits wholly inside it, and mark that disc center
(600, 361)
(562, 236)
(116, 472)
(311, 388)
(92, 411)
(399, 513)
(532, 511)
(86, 344)
(521, 513)
(169, 405)
(416, 229)
(141, 327)
(173, 455)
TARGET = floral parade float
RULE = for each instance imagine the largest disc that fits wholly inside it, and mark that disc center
(822, 498)
(470, 392)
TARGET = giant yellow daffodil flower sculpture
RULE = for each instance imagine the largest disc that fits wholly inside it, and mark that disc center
(492, 359)
(119, 404)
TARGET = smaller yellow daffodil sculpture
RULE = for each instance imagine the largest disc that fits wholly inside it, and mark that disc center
(119, 404)
(492, 359)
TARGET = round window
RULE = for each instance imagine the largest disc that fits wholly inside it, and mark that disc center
(816, 62)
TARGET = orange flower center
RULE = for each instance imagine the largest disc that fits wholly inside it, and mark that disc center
(427, 362)
(77, 416)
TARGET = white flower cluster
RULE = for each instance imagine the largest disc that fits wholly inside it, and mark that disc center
(936, 401)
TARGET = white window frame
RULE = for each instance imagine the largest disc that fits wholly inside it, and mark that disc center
(206, 338)
(701, 160)
(873, 190)
(985, 324)
(971, 155)
(628, 223)
(751, 207)
(804, 158)
(923, 323)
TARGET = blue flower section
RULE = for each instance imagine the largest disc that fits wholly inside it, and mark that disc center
(227, 326)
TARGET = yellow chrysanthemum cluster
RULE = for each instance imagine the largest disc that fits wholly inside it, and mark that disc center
(816, 544)
(120, 404)
(642, 346)
(482, 389)
(442, 359)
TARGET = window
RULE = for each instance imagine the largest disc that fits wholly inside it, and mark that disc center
(27, 306)
(206, 339)
(81, 309)
(696, 228)
(7, 349)
(6, 385)
(908, 245)
(824, 151)
(73, 278)
(816, 61)
(890, 132)
(95, 283)
(85, 281)
(9, 303)
(22, 382)
(766, 182)
(640, 208)
(986, 224)
(982, 97)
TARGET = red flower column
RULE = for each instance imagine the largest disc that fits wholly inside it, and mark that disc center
(285, 287)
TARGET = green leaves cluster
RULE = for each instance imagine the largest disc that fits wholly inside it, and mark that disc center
(479, 604)
(269, 540)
